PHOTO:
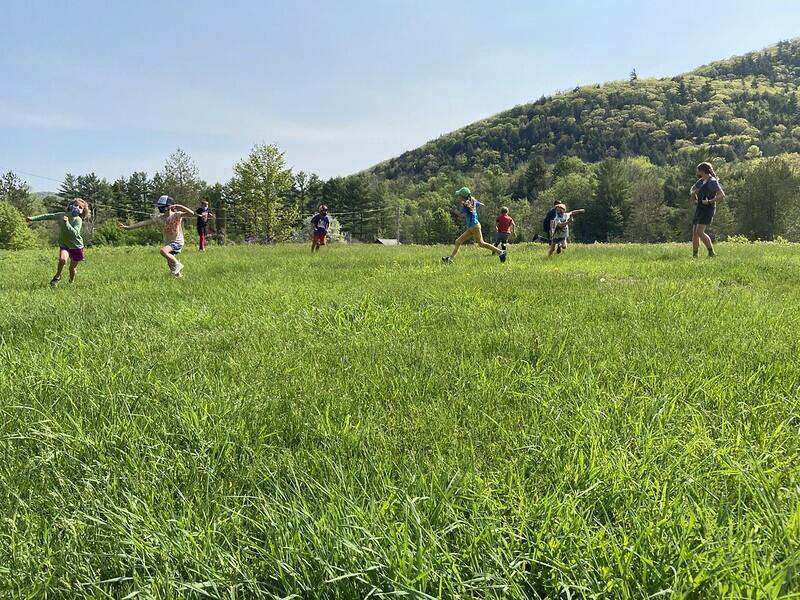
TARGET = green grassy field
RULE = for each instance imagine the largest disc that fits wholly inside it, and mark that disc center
(619, 422)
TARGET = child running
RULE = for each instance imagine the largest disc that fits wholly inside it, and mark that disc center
(321, 224)
(559, 228)
(705, 195)
(505, 226)
(203, 215)
(170, 221)
(70, 242)
(469, 206)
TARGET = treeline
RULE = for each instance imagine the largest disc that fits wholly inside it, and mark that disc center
(626, 200)
(741, 108)
(265, 202)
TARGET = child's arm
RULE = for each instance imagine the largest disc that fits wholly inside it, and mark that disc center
(47, 217)
(137, 225)
(68, 225)
(513, 228)
(183, 209)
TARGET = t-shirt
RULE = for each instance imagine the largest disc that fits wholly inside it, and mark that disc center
(202, 216)
(320, 223)
(706, 191)
(504, 223)
(547, 218)
(69, 231)
(558, 226)
(471, 214)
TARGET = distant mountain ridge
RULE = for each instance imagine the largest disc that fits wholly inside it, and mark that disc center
(738, 108)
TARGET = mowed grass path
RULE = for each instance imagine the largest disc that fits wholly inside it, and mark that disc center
(618, 422)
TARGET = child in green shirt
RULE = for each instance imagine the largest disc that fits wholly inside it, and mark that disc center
(70, 242)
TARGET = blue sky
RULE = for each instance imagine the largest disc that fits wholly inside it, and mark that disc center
(115, 86)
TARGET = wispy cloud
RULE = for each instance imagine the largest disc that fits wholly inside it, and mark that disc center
(27, 118)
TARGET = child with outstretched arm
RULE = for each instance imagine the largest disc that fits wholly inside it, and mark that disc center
(70, 241)
(559, 228)
(171, 223)
(470, 206)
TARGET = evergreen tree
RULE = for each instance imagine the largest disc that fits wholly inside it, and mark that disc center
(604, 219)
(182, 178)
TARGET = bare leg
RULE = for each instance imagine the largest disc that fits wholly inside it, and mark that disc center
(552, 249)
(73, 267)
(706, 239)
(63, 255)
(695, 239)
(171, 260)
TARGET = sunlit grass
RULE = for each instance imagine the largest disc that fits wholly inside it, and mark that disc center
(620, 421)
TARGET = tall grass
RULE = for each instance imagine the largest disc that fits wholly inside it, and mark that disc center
(619, 422)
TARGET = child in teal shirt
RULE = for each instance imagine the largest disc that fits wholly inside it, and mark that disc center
(469, 206)
(70, 242)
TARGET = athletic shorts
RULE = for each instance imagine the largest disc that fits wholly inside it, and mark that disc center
(202, 230)
(319, 238)
(704, 214)
(75, 254)
(175, 248)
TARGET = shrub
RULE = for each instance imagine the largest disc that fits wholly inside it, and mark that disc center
(14, 231)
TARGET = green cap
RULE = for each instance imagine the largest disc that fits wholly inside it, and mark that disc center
(463, 192)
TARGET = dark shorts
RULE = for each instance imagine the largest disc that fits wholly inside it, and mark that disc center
(319, 238)
(202, 230)
(75, 254)
(502, 237)
(704, 214)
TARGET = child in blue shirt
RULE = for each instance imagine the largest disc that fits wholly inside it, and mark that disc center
(321, 224)
(469, 206)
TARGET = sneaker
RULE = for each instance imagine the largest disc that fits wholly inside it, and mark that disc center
(558, 250)
(177, 270)
(448, 260)
(178, 274)
(694, 254)
(54, 282)
(712, 254)
(503, 256)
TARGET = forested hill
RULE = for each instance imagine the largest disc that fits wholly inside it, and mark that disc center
(739, 108)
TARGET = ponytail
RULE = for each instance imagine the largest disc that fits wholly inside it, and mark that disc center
(706, 167)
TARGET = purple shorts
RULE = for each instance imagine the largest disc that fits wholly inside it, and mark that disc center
(75, 254)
